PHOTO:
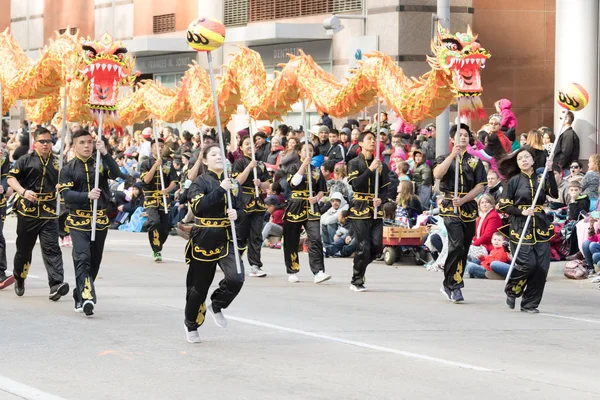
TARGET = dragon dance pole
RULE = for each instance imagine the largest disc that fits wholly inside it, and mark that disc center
(223, 157)
(254, 172)
(456, 162)
(201, 140)
(97, 177)
(377, 152)
(62, 146)
(306, 139)
(535, 199)
(162, 177)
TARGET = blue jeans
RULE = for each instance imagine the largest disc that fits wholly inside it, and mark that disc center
(340, 246)
(500, 268)
(475, 270)
(589, 250)
(327, 233)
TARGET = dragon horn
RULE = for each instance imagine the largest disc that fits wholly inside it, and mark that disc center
(469, 31)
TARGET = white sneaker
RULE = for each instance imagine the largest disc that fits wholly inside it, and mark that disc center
(191, 337)
(322, 277)
(358, 288)
(61, 242)
(596, 279)
(257, 271)
(293, 278)
(219, 318)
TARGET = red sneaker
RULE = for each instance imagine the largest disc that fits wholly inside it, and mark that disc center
(6, 281)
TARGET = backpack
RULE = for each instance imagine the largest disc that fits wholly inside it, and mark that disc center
(568, 239)
(576, 269)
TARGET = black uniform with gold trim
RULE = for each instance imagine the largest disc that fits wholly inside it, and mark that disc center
(76, 181)
(250, 223)
(37, 219)
(461, 225)
(4, 167)
(528, 277)
(210, 244)
(298, 214)
(367, 229)
(158, 220)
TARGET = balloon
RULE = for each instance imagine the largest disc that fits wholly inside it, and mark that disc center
(206, 34)
(573, 97)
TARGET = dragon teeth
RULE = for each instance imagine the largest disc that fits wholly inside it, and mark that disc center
(103, 67)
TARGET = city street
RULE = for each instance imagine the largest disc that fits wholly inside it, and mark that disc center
(399, 340)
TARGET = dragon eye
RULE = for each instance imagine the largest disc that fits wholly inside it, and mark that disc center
(451, 46)
(90, 54)
(120, 56)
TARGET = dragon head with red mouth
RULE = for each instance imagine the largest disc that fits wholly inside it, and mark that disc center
(106, 65)
(462, 56)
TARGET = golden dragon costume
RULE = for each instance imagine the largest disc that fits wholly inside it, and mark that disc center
(455, 74)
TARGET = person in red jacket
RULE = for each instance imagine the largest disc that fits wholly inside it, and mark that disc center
(478, 269)
(487, 223)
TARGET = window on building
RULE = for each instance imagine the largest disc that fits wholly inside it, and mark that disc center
(163, 23)
(169, 80)
(240, 12)
(72, 31)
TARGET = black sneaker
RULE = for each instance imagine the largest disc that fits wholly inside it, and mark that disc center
(510, 302)
(88, 308)
(20, 287)
(446, 292)
(457, 296)
(57, 291)
(6, 281)
(530, 310)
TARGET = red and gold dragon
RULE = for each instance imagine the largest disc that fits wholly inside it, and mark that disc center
(67, 63)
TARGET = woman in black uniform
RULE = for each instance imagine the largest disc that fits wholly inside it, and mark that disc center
(298, 214)
(211, 244)
(528, 277)
(250, 223)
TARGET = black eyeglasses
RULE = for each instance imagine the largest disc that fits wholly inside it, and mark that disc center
(44, 141)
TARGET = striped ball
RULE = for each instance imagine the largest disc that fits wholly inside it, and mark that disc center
(206, 34)
(573, 97)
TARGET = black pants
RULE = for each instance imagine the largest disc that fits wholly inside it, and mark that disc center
(199, 278)
(530, 272)
(87, 256)
(250, 236)
(158, 227)
(460, 236)
(3, 263)
(369, 237)
(63, 229)
(291, 239)
(28, 230)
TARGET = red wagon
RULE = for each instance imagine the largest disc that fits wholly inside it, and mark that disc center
(395, 236)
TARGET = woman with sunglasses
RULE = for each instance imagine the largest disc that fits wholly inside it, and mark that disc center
(576, 171)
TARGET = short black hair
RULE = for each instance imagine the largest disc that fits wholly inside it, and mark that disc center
(344, 213)
(569, 118)
(186, 136)
(455, 128)
(78, 133)
(284, 129)
(119, 156)
(41, 131)
(335, 132)
(260, 134)
(160, 140)
(328, 166)
(364, 134)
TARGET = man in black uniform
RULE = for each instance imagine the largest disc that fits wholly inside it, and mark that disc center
(5, 281)
(34, 177)
(367, 230)
(158, 219)
(76, 186)
(460, 224)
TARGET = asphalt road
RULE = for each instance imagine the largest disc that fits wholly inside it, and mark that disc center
(399, 340)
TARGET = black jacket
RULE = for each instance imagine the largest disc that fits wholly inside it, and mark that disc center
(567, 148)
(581, 205)
(336, 153)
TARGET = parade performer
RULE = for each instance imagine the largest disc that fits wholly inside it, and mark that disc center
(76, 186)
(302, 211)
(528, 277)
(211, 244)
(459, 213)
(158, 219)
(368, 229)
(34, 178)
(5, 280)
(250, 223)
